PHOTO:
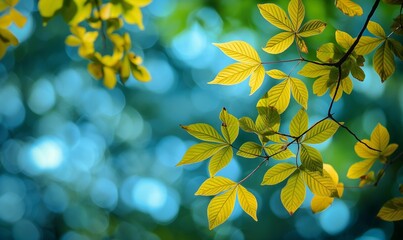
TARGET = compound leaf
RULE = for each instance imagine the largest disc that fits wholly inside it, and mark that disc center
(384, 63)
(299, 92)
(311, 158)
(278, 151)
(296, 10)
(256, 79)
(312, 28)
(367, 45)
(319, 184)
(376, 29)
(279, 96)
(233, 74)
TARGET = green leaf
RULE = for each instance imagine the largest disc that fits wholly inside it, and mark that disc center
(367, 45)
(279, 96)
(200, 152)
(247, 124)
(312, 70)
(396, 47)
(392, 210)
(319, 184)
(233, 74)
(293, 194)
(247, 201)
(384, 63)
(329, 52)
(204, 132)
(215, 185)
(256, 79)
(321, 132)
(268, 119)
(349, 8)
(376, 29)
(220, 208)
(229, 126)
(275, 15)
(299, 92)
(312, 28)
(279, 43)
(397, 25)
(239, 51)
(299, 123)
(250, 150)
(278, 151)
(297, 13)
(311, 158)
(357, 72)
(359, 169)
(278, 173)
(219, 160)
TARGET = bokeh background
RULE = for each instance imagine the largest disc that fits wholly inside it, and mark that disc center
(78, 161)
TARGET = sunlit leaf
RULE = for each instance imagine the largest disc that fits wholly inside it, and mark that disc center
(396, 47)
(247, 201)
(247, 124)
(256, 79)
(134, 16)
(109, 77)
(278, 151)
(380, 137)
(357, 73)
(329, 52)
(219, 160)
(320, 85)
(367, 179)
(359, 169)
(320, 203)
(220, 208)
(390, 149)
(367, 45)
(297, 13)
(299, 92)
(204, 132)
(349, 7)
(321, 132)
(312, 28)
(47, 8)
(17, 18)
(312, 70)
(200, 152)
(239, 51)
(384, 63)
(276, 74)
(311, 158)
(275, 15)
(250, 150)
(319, 184)
(299, 123)
(279, 43)
(279, 96)
(293, 194)
(363, 151)
(332, 173)
(278, 173)
(344, 39)
(347, 85)
(229, 126)
(376, 29)
(215, 185)
(392, 210)
(301, 44)
(233, 74)
(141, 73)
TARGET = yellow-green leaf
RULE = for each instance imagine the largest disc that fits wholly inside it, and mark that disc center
(384, 63)
(220, 208)
(233, 74)
(279, 96)
(390, 149)
(293, 194)
(278, 151)
(47, 8)
(278, 173)
(247, 124)
(109, 77)
(380, 137)
(297, 13)
(247, 201)
(279, 43)
(141, 74)
(349, 7)
(363, 151)
(250, 150)
(301, 44)
(332, 173)
(299, 92)
(256, 79)
(396, 47)
(321, 132)
(320, 85)
(347, 85)
(275, 15)
(277, 74)
(215, 185)
(299, 123)
(392, 210)
(239, 51)
(311, 158)
(319, 184)
(229, 126)
(204, 132)
(312, 70)
(357, 72)
(17, 18)
(344, 39)
(376, 29)
(367, 45)
(320, 203)
(219, 160)
(329, 52)
(200, 152)
(359, 169)
(312, 28)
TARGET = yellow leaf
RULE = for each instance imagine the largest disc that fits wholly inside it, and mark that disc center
(380, 137)
(299, 123)
(125, 69)
(344, 39)
(18, 18)
(384, 63)
(229, 126)
(279, 96)
(321, 132)
(95, 70)
(319, 184)
(299, 92)
(320, 85)
(47, 8)
(390, 149)
(247, 124)
(247, 201)
(275, 15)
(109, 77)
(278, 173)
(297, 13)
(141, 73)
(220, 208)
(204, 132)
(250, 150)
(367, 179)
(72, 40)
(333, 92)
(312, 28)
(215, 185)
(329, 52)
(363, 151)
(239, 51)
(332, 173)
(347, 85)
(140, 3)
(233, 74)
(376, 29)
(367, 45)
(200, 152)
(134, 16)
(276, 74)
(320, 203)
(311, 158)
(312, 70)
(219, 160)
(301, 44)
(256, 79)
(279, 43)
(359, 169)
(278, 152)
(392, 210)
(349, 8)
(7, 38)
(293, 194)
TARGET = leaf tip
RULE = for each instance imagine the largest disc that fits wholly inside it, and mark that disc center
(183, 126)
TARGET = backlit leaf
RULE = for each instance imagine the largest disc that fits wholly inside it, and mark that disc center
(200, 152)
(321, 132)
(233, 74)
(256, 79)
(17, 18)
(332, 173)
(320, 85)
(312, 28)
(311, 158)
(278, 173)
(250, 150)
(204, 132)
(319, 184)
(140, 73)
(349, 7)
(239, 51)
(247, 124)
(320, 203)
(275, 15)
(276, 74)
(293, 194)
(297, 13)
(380, 137)
(229, 126)
(220, 208)
(299, 92)
(312, 70)
(396, 47)
(247, 201)
(215, 185)
(219, 160)
(384, 63)
(344, 39)
(392, 210)
(47, 8)
(359, 169)
(347, 85)
(367, 45)
(357, 72)
(301, 44)
(363, 151)
(390, 149)
(278, 151)
(279, 43)
(376, 29)
(299, 123)
(279, 96)
(329, 52)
